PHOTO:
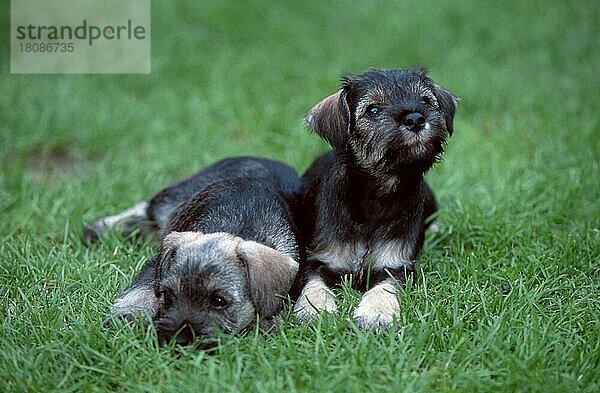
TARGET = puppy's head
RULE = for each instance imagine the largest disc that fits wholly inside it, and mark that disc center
(387, 120)
(216, 282)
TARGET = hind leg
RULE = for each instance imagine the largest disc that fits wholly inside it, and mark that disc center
(146, 218)
(130, 222)
(154, 215)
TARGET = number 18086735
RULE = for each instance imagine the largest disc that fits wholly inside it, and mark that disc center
(50, 47)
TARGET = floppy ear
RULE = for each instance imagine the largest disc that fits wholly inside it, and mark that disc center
(168, 249)
(330, 119)
(447, 102)
(271, 275)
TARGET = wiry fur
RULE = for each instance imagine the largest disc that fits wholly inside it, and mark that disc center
(229, 250)
(363, 207)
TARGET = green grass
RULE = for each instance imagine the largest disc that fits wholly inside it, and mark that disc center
(508, 298)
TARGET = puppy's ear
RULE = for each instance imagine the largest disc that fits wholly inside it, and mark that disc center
(271, 275)
(330, 119)
(447, 102)
(168, 249)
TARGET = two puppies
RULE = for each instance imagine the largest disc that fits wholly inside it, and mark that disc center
(229, 250)
(231, 247)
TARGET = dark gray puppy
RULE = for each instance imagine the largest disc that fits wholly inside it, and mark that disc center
(229, 250)
(364, 206)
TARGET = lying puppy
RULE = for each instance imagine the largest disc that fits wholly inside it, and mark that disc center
(229, 250)
(364, 205)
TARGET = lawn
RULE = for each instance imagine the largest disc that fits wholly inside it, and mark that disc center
(507, 297)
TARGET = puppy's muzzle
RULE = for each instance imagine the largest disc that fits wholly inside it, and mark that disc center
(185, 334)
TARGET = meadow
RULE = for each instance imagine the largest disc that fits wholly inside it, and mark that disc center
(507, 295)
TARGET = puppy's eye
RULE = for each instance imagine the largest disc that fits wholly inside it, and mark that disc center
(218, 302)
(426, 101)
(373, 110)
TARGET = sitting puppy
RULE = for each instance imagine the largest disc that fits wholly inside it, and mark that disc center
(365, 204)
(229, 250)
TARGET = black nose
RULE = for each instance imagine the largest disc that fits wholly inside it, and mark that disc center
(185, 335)
(415, 121)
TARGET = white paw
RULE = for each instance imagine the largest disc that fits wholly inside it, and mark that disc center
(378, 308)
(315, 298)
(135, 303)
(124, 222)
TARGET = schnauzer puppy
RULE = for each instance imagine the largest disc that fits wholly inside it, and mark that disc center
(365, 205)
(229, 251)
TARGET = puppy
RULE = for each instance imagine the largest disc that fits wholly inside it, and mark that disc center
(229, 251)
(364, 206)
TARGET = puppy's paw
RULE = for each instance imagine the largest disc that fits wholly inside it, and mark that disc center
(308, 309)
(136, 303)
(126, 222)
(378, 309)
(376, 323)
(315, 298)
(113, 320)
(93, 231)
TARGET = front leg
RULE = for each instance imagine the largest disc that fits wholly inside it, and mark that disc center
(379, 306)
(139, 300)
(316, 297)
